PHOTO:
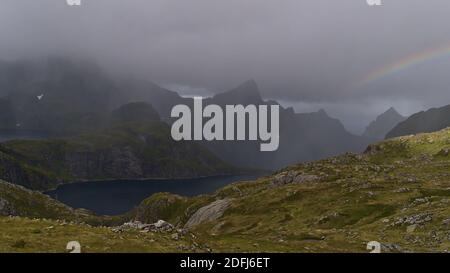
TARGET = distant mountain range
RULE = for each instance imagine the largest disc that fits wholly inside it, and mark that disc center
(78, 98)
(432, 120)
(384, 123)
(303, 137)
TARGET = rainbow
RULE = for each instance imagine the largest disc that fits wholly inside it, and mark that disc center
(405, 63)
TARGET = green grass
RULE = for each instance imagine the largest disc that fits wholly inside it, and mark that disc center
(25, 235)
(358, 198)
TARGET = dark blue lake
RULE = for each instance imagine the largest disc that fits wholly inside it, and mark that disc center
(120, 196)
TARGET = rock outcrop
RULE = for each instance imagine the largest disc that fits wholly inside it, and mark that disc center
(210, 212)
(6, 208)
(293, 177)
(159, 226)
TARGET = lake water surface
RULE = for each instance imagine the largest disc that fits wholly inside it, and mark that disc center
(120, 196)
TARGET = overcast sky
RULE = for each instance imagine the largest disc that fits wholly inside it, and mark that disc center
(307, 53)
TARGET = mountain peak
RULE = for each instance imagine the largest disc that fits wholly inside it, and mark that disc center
(378, 128)
(251, 83)
(391, 111)
(246, 93)
(249, 87)
(322, 112)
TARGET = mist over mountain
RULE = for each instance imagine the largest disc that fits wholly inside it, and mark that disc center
(7, 116)
(137, 90)
(135, 112)
(303, 136)
(55, 95)
(434, 119)
(63, 97)
(384, 123)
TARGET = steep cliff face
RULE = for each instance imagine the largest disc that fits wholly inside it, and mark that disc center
(114, 162)
(126, 151)
(23, 174)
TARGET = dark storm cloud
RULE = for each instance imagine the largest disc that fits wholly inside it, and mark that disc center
(309, 53)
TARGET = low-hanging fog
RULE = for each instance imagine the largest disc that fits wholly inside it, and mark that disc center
(310, 54)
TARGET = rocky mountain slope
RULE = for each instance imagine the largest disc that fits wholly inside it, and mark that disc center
(124, 151)
(396, 193)
(18, 201)
(383, 124)
(33, 222)
(423, 122)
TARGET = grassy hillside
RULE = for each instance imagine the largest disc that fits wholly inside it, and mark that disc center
(125, 151)
(25, 235)
(18, 201)
(397, 193)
